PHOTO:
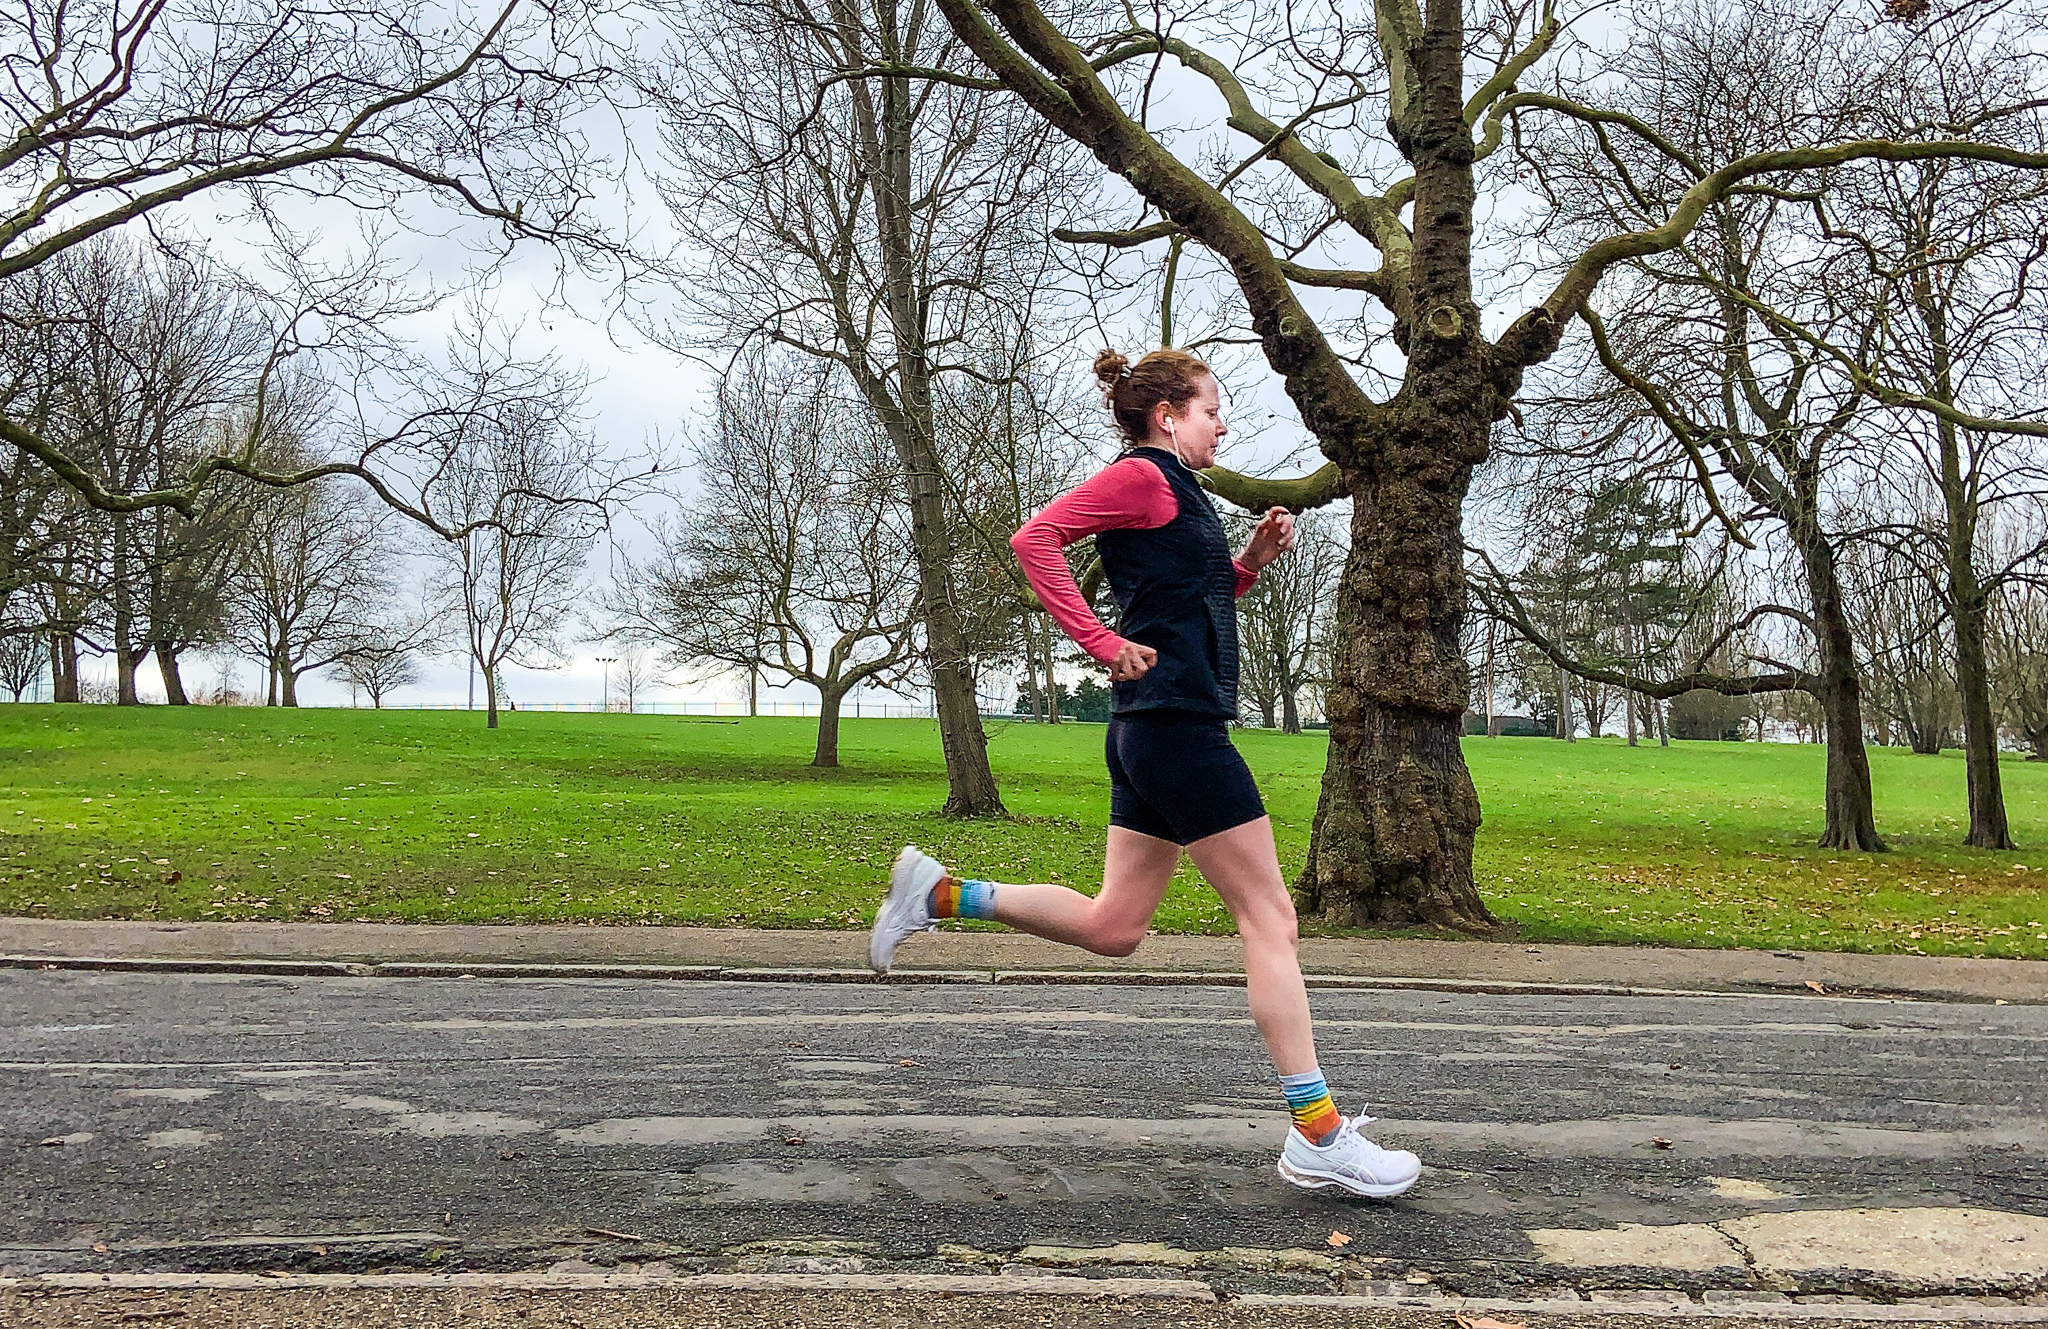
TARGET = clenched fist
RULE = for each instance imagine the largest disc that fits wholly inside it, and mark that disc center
(1132, 661)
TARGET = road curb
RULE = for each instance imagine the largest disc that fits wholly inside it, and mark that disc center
(1175, 1289)
(897, 978)
(1055, 1285)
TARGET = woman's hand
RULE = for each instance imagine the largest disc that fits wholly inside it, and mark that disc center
(1132, 661)
(1272, 537)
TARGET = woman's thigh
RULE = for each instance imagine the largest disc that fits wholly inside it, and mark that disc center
(1243, 866)
(1136, 871)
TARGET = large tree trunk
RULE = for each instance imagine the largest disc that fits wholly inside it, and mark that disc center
(491, 698)
(288, 685)
(1851, 818)
(174, 682)
(1290, 713)
(827, 753)
(1392, 840)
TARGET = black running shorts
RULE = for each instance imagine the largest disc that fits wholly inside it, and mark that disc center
(1174, 775)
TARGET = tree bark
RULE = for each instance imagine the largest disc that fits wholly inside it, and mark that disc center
(1392, 839)
(827, 751)
(174, 682)
(63, 667)
(1290, 713)
(1988, 828)
(490, 698)
(126, 657)
(288, 685)
(1851, 817)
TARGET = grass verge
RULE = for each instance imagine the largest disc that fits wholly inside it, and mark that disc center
(426, 816)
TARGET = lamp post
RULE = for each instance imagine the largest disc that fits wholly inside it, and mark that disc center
(604, 701)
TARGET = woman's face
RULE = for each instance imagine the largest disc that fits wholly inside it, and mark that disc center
(1194, 430)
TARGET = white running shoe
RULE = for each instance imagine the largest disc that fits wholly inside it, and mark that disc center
(906, 909)
(1349, 1162)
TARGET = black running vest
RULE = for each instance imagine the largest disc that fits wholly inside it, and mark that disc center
(1177, 591)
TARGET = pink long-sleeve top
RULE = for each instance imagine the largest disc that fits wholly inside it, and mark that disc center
(1129, 494)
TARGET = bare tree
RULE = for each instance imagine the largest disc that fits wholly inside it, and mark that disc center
(151, 360)
(876, 223)
(384, 657)
(1950, 253)
(151, 114)
(636, 674)
(22, 658)
(794, 559)
(313, 582)
(515, 484)
(1744, 351)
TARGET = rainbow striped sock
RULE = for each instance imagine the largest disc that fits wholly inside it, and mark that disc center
(1308, 1101)
(953, 898)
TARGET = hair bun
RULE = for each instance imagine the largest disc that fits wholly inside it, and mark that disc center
(1110, 367)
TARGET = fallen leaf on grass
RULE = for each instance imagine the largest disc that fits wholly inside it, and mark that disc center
(1338, 1240)
(792, 1139)
(100, 1246)
(1660, 1142)
(1817, 987)
(1488, 1322)
(906, 1062)
(610, 1235)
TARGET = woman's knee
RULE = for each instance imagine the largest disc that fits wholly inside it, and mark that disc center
(1270, 923)
(1116, 937)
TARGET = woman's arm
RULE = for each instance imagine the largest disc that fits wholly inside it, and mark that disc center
(1126, 495)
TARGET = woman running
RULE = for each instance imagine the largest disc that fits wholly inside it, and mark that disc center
(1175, 780)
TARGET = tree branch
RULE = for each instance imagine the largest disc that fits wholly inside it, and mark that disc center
(1319, 488)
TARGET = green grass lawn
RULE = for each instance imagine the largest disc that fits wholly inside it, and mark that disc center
(426, 815)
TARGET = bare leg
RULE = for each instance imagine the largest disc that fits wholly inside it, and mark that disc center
(1244, 868)
(1135, 874)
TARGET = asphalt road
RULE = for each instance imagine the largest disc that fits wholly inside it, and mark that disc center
(178, 1123)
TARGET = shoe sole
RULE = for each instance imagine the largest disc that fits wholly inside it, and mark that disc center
(898, 875)
(1317, 1181)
